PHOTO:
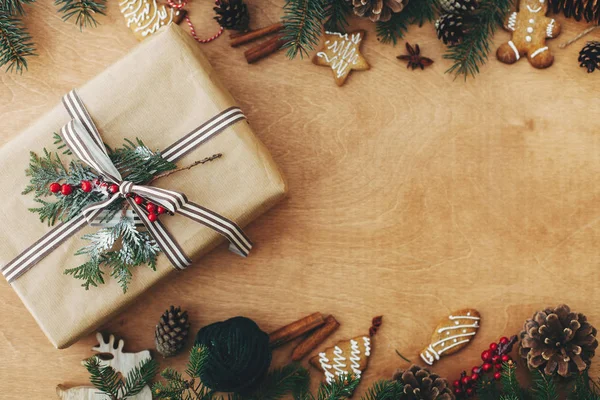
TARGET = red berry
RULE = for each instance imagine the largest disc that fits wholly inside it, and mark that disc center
(55, 187)
(475, 376)
(470, 392)
(475, 369)
(151, 207)
(104, 184)
(113, 188)
(152, 217)
(161, 209)
(497, 376)
(486, 356)
(503, 340)
(493, 346)
(86, 186)
(496, 359)
(487, 367)
(505, 358)
(457, 391)
(456, 383)
(66, 189)
(465, 380)
(138, 200)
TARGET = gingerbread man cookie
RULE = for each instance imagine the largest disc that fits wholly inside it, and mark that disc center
(341, 52)
(530, 28)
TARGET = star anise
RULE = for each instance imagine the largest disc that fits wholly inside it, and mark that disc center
(414, 58)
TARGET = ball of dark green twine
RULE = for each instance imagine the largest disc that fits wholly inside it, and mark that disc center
(238, 355)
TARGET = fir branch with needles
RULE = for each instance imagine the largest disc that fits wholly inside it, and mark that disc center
(16, 45)
(336, 15)
(302, 21)
(116, 387)
(82, 10)
(14, 7)
(472, 52)
(416, 12)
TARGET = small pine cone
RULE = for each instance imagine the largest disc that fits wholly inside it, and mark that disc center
(421, 384)
(450, 29)
(171, 332)
(458, 6)
(232, 14)
(378, 10)
(589, 56)
(558, 340)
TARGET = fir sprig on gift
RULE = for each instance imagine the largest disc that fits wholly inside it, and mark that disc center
(472, 52)
(114, 385)
(416, 12)
(119, 248)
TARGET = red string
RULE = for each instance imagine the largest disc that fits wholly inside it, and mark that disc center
(183, 3)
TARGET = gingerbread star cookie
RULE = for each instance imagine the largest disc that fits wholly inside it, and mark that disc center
(530, 28)
(144, 17)
(341, 53)
(452, 334)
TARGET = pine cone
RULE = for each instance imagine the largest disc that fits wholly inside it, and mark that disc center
(589, 56)
(588, 9)
(232, 14)
(558, 340)
(457, 6)
(171, 332)
(378, 10)
(420, 384)
(450, 28)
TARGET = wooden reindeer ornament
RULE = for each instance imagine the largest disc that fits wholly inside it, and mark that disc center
(109, 355)
(452, 334)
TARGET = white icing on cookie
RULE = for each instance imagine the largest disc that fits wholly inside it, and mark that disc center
(367, 343)
(326, 367)
(355, 358)
(137, 13)
(538, 52)
(550, 28)
(512, 46)
(344, 52)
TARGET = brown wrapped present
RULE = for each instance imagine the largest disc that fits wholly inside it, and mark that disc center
(161, 91)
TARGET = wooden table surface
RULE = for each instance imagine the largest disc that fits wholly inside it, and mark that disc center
(411, 195)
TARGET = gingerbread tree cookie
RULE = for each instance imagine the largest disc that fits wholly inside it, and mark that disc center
(346, 357)
(341, 52)
(452, 334)
(530, 28)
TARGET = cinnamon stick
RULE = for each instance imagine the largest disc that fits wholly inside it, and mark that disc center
(255, 34)
(296, 329)
(264, 49)
(315, 339)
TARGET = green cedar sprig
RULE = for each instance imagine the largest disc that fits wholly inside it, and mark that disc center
(416, 12)
(15, 41)
(472, 52)
(302, 20)
(110, 382)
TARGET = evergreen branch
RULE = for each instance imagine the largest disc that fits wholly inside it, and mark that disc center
(416, 12)
(139, 377)
(291, 378)
(302, 26)
(82, 10)
(14, 7)
(384, 390)
(197, 361)
(137, 163)
(60, 145)
(336, 14)
(15, 40)
(340, 389)
(543, 387)
(487, 389)
(105, 379)
(510, 385)
(473, 50)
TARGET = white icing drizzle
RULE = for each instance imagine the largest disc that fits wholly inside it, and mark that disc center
(344, 53)
(550, 28)
(367, 342)
(536, 10)
(512, 21)
(338, 360)
(137, 12)
(468, 316)
(512, 46)
(453, 337)
(324, 361)
(429, 355)
(449, 328)
(538, 52)
(355, 358)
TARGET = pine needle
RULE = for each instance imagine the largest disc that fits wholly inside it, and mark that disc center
(336, 15)
(15, 41)
(416, 12)
(82, 10)
(302, 26)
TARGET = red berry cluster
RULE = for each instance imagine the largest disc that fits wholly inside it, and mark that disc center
(153, 209)
(493, 359)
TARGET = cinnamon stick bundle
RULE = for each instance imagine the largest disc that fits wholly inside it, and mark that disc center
(264, 49)
(249, 36)
(296, 329)
(315, 339)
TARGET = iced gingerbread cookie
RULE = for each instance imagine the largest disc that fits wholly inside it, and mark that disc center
(346, 357)
(451, 335)
(144, 17)
(530, 28)
(341, 53)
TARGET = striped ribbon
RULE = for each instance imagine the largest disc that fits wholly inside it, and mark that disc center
(83, 139)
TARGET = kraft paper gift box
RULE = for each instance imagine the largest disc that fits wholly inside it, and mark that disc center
(159, 92)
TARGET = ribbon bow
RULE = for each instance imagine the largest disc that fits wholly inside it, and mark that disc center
(83, 139)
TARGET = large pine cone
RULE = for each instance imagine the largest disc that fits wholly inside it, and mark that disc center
(171, 332)
(420, 384)
(378, 10)
(558, 340)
